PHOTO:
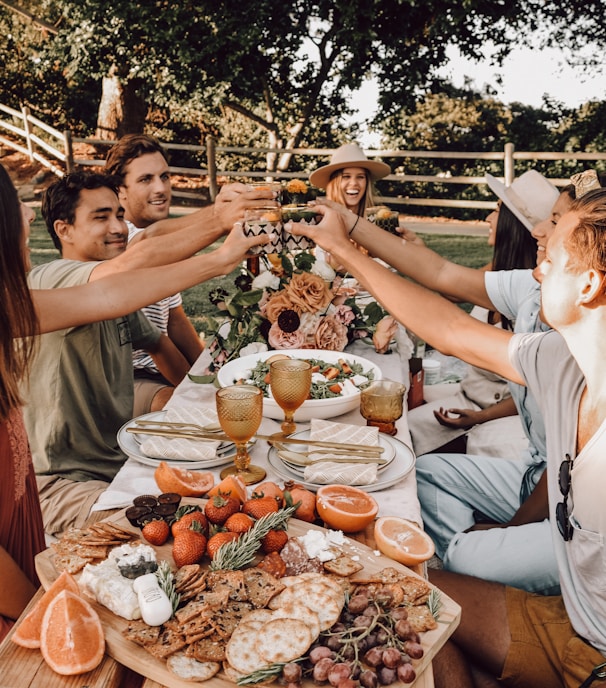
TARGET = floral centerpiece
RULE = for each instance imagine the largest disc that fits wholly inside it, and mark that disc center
(297, 302)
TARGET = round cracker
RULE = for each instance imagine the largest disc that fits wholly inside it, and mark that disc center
(241, 650)
(301, 612)
(283, 640)
(318, 597)
(190, 669)
(289, 581)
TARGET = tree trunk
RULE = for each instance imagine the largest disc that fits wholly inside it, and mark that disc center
(121, 110)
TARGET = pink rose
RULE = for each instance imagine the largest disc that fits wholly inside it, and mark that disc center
(278, 339)
(344, 314)
(384, 333)
(331, 334)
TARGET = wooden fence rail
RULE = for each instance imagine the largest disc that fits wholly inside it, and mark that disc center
(58, 151)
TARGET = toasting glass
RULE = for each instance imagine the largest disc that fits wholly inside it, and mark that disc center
(240, 409)
(290, 382)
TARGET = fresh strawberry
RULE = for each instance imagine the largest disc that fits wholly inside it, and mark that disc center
(219, 539)
(189, 546)
(274, 541)
(239, 523)
(220, 507)
(156, 532)
(260, 506)
(185, 516)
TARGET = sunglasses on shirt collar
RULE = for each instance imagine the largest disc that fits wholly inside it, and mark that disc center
(562, 513)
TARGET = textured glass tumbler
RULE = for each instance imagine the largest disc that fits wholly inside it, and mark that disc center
(382, 403)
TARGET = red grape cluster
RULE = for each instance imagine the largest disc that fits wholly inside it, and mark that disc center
(370, 646)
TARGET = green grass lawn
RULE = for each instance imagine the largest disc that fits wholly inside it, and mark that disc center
(465, 250)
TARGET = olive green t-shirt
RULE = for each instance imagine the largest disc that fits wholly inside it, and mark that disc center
(80, 389)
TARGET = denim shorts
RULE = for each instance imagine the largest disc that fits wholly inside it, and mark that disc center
(545, 651)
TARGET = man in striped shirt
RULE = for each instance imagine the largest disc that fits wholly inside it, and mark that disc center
(139, 163)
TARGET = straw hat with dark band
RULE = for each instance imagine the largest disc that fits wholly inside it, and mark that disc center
(349, 155)
(530, 197)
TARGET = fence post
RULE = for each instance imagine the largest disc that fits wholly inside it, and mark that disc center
(28, 141)
(69, 151)
(212, 167)
(509, 164)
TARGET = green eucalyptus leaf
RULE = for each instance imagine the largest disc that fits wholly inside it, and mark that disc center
(202, 379)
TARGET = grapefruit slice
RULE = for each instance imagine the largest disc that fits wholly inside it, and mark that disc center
(72, 639)
(403, 541)
(27, 633)
(346, 508)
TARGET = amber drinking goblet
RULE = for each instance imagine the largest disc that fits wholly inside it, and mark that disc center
(290, 382)
(382, 403)
(240, 409)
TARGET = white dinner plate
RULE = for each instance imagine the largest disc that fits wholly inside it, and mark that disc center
(239, 369)
(130, 442)
(399, 468)
(389, 452)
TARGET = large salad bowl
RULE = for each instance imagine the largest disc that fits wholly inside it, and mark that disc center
(240, 371)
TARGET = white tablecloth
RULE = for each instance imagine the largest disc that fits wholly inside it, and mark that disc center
(401, 500)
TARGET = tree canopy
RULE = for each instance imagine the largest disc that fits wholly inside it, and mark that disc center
(283, 72)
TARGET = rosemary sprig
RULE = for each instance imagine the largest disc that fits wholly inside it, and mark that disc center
(268, 672)
(434, 602)
(240, 552)
(166, 580)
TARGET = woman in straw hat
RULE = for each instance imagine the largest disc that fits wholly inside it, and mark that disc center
(348, 180)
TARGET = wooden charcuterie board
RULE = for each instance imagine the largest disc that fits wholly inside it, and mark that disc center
(136, 658)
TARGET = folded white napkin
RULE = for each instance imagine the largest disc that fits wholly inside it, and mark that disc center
(329, 431)
(183, 449)
(327, 472)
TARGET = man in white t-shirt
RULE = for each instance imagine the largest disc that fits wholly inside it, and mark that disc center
(508, 636)
(140, 165)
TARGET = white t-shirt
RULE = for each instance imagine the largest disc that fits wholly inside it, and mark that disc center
(557, 383)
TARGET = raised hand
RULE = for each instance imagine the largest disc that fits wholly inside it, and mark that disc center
(234, 199)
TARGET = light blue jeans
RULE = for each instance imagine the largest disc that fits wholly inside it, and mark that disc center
(452, 488)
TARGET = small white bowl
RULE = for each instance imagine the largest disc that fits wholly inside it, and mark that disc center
(240, 368)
